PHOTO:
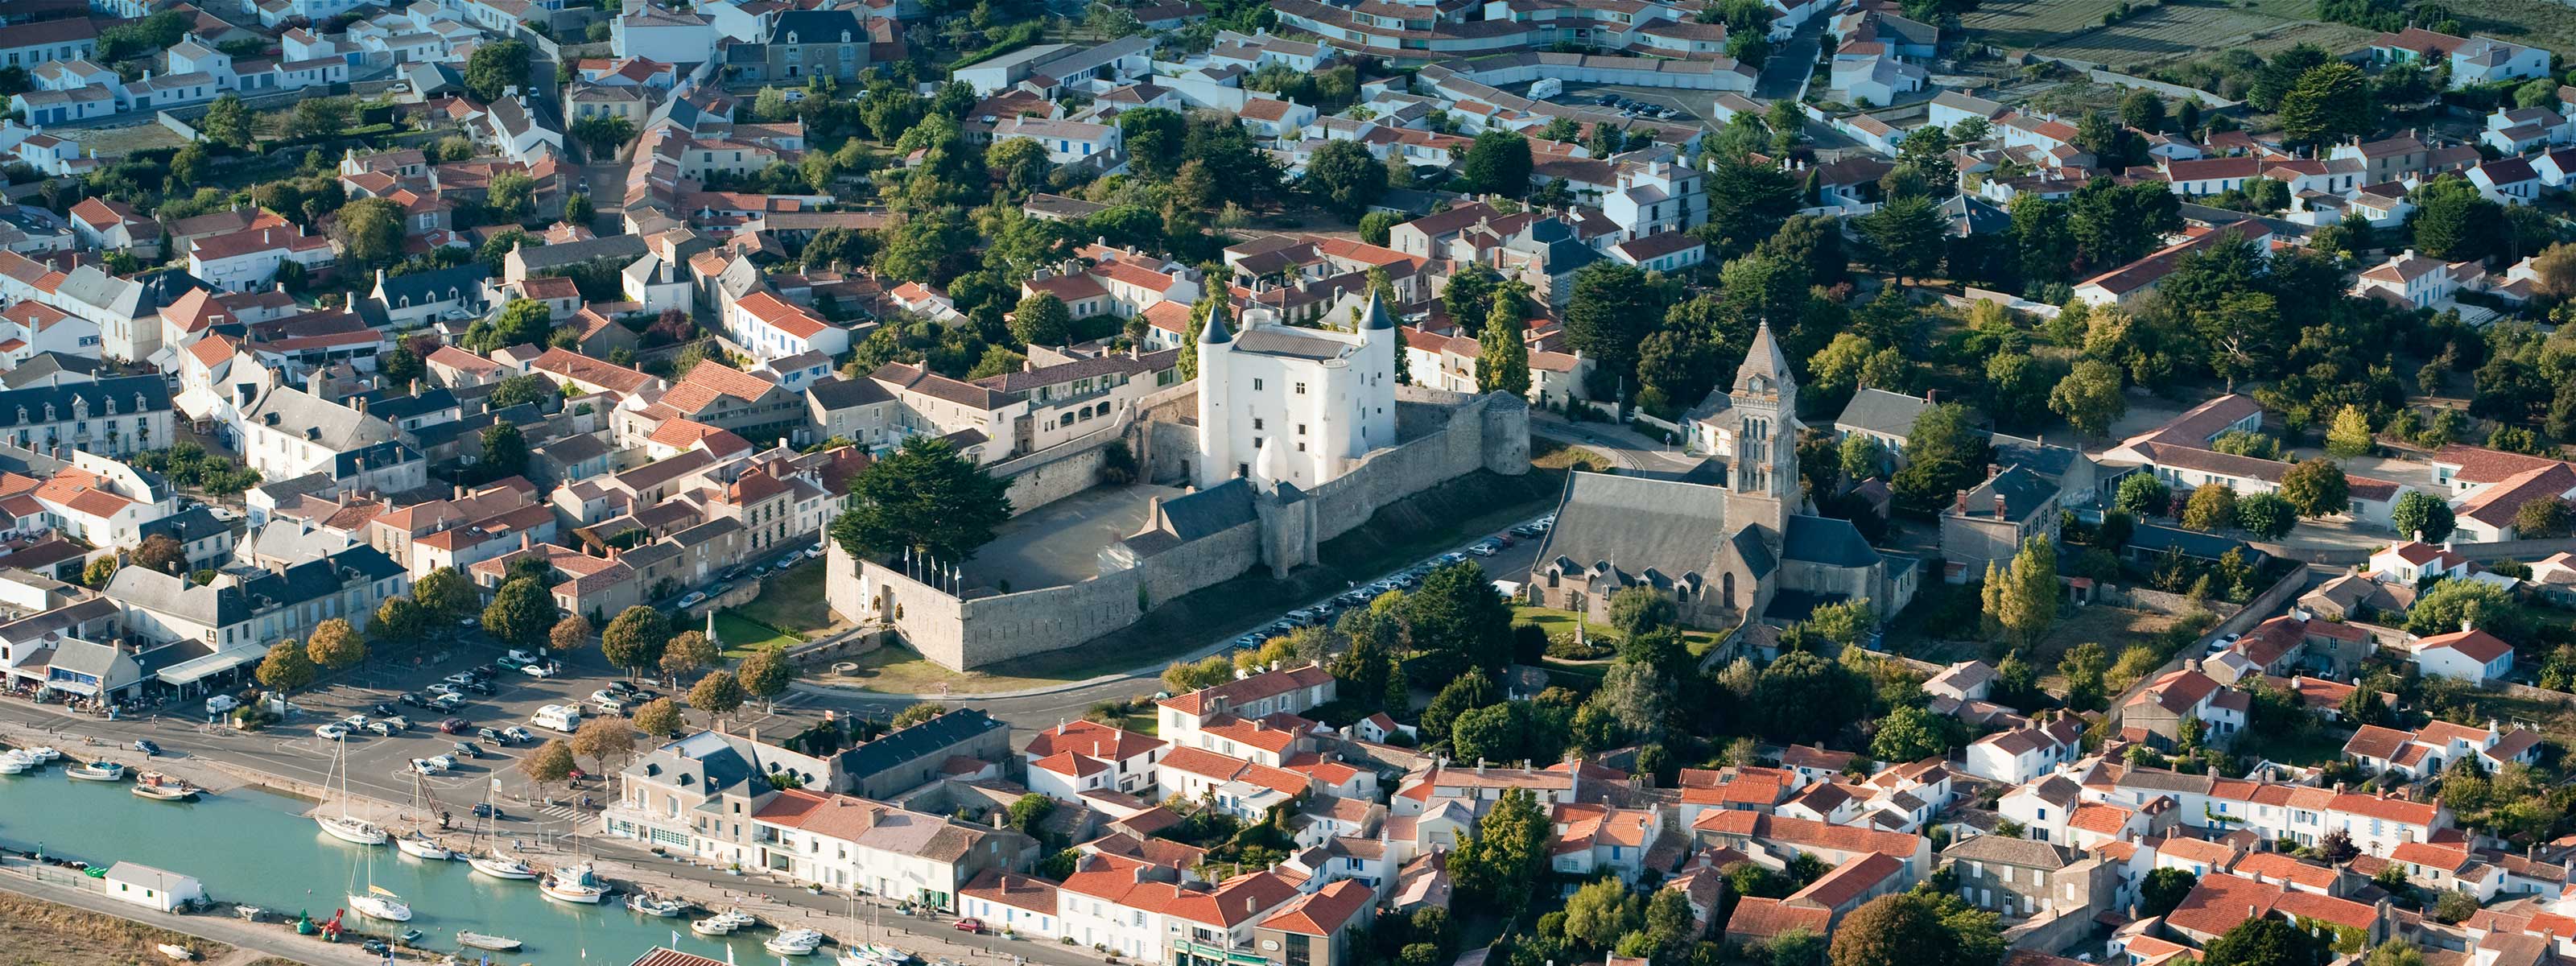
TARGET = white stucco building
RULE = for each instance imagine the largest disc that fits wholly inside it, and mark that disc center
(1279, 404)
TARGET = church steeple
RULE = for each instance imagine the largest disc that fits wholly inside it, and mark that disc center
(1765, 370)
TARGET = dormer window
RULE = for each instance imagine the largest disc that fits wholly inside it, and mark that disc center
(791, 36)
(845, 36)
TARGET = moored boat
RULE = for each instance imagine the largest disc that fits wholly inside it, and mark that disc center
(97, 771)
(794, 942)
(377, 903)
(653, 905)
(355, 831)
(45, 754)
(18, 762)
(501, 866)
(420, 846)
(712, 927)
(478, 940)
(153, 784)
(575, 884)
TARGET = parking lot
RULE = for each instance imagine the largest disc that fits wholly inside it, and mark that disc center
(1687, 107)
(1509, 563)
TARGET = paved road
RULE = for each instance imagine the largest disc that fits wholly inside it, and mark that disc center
(1791, 62)
(260, 939)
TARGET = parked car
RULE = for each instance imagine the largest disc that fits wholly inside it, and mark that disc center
(381, 728)
(1452, 557)
(972, 925)
(443, 689)
(455, 726)
(733, 572)
(146, 746)
(469, 749)
(460, 678)
(354, 722)
(396, 722)
(1249, 642)
(488, 734)
(720, 590)
(480, 686)
(815, 552)
(489, 810)
(333, 731)
(612, 705)
(525, 656)
(447, 702)
(383, 710)
(409, 699)
(694, 599)
(510, 663)
(545, 670)
(515, 734)
(224, 702)
(430, 766)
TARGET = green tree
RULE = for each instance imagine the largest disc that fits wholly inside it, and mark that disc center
(1344, 178)
(1920, 928)
(2030, 596)
(1466, 693)
(2330, 102)
(1943, 455)
(766, 675)
(520, 614)
(2089, 397)
(1502, 363)
(1906, 236)
(2448, 604)
(2164, 890)
(2084, 667)
(926, 498)
(495, 68)
(2143, 110)
(2266, 515)
(286, 667)
(2316, 487)
(401, 365)
(445, 596)
(603, 740)
(1498, 162)
(660, 718)
(2266, 941)
(369, 231)
(1154, 138)
(1912, 734)
(635, 639)
(505, 451)
(2543, 518)
(2142, 495)
(335, 645)
(1509, 850)
(317, 117)
(226, 122)
(1458, 611)
(512, 196)
(2350, 435)
(1042, 319)
(1611, 311)
(2421, 516)
(2452, 220)
(398, 621)
(2211, 507)
(1601, 912)
(551, 762)
(720, 693)
(577, 209)
(687, 653)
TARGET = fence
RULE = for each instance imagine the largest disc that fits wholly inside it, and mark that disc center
(172, 122)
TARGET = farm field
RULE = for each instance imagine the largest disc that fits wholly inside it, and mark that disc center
(2538, 22)
(2023, 24)
(2175, 31)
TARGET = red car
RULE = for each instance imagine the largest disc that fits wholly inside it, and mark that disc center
(975, 926)
(455, 726)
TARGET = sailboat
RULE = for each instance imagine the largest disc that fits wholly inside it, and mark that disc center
(578, 883)
(496, 863)
(344, 826)
(377, 902)
(416, 843)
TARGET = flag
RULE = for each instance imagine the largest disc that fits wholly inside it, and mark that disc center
(675, 939)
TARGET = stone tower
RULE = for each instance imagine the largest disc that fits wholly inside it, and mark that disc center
(1765, 404)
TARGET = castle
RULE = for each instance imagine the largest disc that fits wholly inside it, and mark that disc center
(1724, 552)
(1285, 405)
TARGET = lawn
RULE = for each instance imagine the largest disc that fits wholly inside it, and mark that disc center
(33, 931)
(2322, 745)
(2536, 22)
(1549, 454)
(793, 602)
(742, 635)
(1555, 622)
(896, 669)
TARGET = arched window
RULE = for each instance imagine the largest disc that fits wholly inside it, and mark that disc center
(1726, 585)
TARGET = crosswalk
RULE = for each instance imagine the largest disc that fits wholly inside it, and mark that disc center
(561, 812)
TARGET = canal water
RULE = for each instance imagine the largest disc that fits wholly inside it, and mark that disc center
(254, 847)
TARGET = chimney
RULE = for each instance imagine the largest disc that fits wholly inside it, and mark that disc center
(1963, 501)
(2000, 513)
(460, 491)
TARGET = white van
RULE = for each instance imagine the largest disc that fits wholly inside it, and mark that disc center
(221, 703)
(560, 717)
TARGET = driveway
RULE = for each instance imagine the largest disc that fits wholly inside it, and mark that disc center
(1790, 63)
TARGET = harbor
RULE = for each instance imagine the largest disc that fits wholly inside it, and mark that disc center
(253, 847)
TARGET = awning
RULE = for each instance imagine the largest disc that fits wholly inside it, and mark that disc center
(197, 669)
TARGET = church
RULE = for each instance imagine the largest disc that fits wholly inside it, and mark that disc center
(1748, 546)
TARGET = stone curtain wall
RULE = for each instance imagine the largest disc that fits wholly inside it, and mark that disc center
(1485, 432)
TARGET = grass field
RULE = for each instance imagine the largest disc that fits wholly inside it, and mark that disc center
(742, 635)
(793, 602)
(2539, 22)
(1555, 622)
(38, 933)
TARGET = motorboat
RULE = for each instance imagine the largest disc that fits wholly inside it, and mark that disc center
(96, 771)
(856, 957)
(478, 940)
(575, 884)
(501, 866)
(355, 831)
(794, 942)
(420, 846)
(153, 784)
(380, 903)
(410, 937)
(713, 927)
(652, 905)
(176, 952)
(45, 754)
(887, 953)
(17, 762)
